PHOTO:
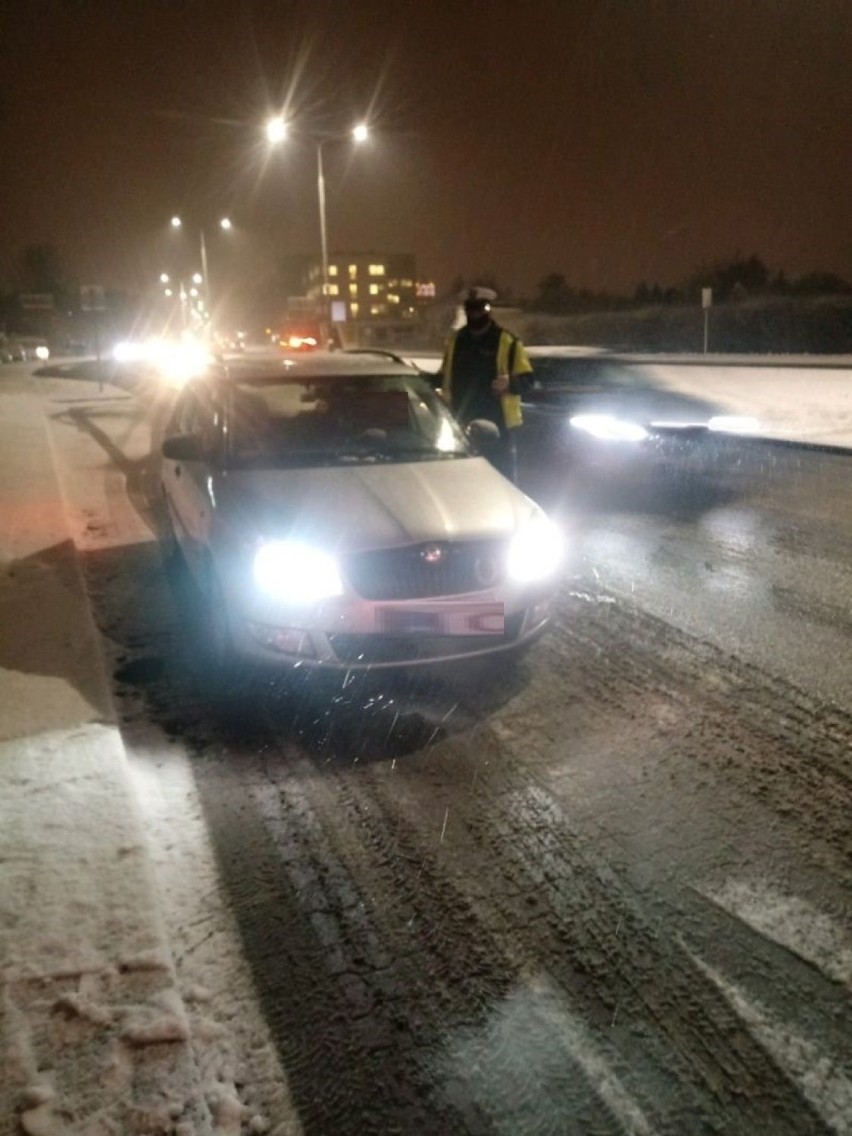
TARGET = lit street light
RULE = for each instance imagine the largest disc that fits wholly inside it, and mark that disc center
(276, 131)
(224, 224)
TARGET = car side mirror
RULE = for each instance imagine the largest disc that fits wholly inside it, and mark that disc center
(184, 447)
(482, 432)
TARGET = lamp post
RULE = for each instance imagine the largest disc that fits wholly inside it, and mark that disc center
(182, 296)
(276, 131)
(224, 224)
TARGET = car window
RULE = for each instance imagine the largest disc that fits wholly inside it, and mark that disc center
(321, 420)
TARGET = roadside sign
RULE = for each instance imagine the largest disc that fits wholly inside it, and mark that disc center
(92, 298)
(707, 297)
(36, 301)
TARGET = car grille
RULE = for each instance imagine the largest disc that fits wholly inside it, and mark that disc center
(431, 569)
(376, 649)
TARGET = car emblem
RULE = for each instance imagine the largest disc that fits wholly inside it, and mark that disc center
(432, 554)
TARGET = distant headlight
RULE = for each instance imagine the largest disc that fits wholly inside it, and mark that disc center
(609, 429)
(296, 572)
(734, 424)
(42, 353)
(179, 362)
(535, 552)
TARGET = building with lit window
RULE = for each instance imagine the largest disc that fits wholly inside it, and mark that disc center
(374, 297)
(368, 285)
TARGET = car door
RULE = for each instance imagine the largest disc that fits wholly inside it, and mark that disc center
(187, 485)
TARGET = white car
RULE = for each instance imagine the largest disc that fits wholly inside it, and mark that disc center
(335, 515)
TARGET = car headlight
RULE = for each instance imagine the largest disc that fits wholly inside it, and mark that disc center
(535, 552)
(608, 428)
(297, 573)
(734, 424)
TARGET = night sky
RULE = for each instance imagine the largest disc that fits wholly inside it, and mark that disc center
(613, 141)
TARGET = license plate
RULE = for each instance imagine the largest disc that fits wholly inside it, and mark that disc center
(458, 619)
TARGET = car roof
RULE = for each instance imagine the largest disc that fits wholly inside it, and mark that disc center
(317, 364)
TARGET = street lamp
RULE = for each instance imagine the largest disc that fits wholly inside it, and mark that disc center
(276, 131)
(224, 224)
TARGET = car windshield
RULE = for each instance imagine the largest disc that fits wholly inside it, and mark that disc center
(288, 421)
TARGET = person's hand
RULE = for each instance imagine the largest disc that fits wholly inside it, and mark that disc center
(500, 384)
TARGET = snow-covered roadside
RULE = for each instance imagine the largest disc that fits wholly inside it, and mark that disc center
(108, 1025)
(798, 403)
(94, 1030)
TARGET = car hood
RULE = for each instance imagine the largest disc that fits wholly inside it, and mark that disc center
(356, 507)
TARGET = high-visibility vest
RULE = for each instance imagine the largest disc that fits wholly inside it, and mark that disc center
(511, 359)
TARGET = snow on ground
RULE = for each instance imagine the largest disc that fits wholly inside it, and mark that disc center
(109, 1023)
(802, 403)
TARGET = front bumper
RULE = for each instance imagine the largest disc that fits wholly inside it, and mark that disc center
(365, 636)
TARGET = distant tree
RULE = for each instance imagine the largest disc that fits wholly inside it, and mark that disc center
(749, 274)
(554, 295)
(821, 284)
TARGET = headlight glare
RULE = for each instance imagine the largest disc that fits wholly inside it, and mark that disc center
(609, 429)
(535, 552)
(295, 572)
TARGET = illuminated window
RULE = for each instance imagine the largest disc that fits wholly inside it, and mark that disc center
(377, 270)
(374, 289)
(378, 309)
(333, 290)
(332, 270)
(393, 298)
(353, 289)
(353, 271)
(406, 283)
(353, 308)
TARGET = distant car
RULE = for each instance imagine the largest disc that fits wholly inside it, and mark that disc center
(231, 342)
(13, 351)
(607, 413)
(336, 516)
(298, 342)
(23, 349)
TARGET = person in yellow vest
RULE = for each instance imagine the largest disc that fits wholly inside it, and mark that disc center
(482, 373)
